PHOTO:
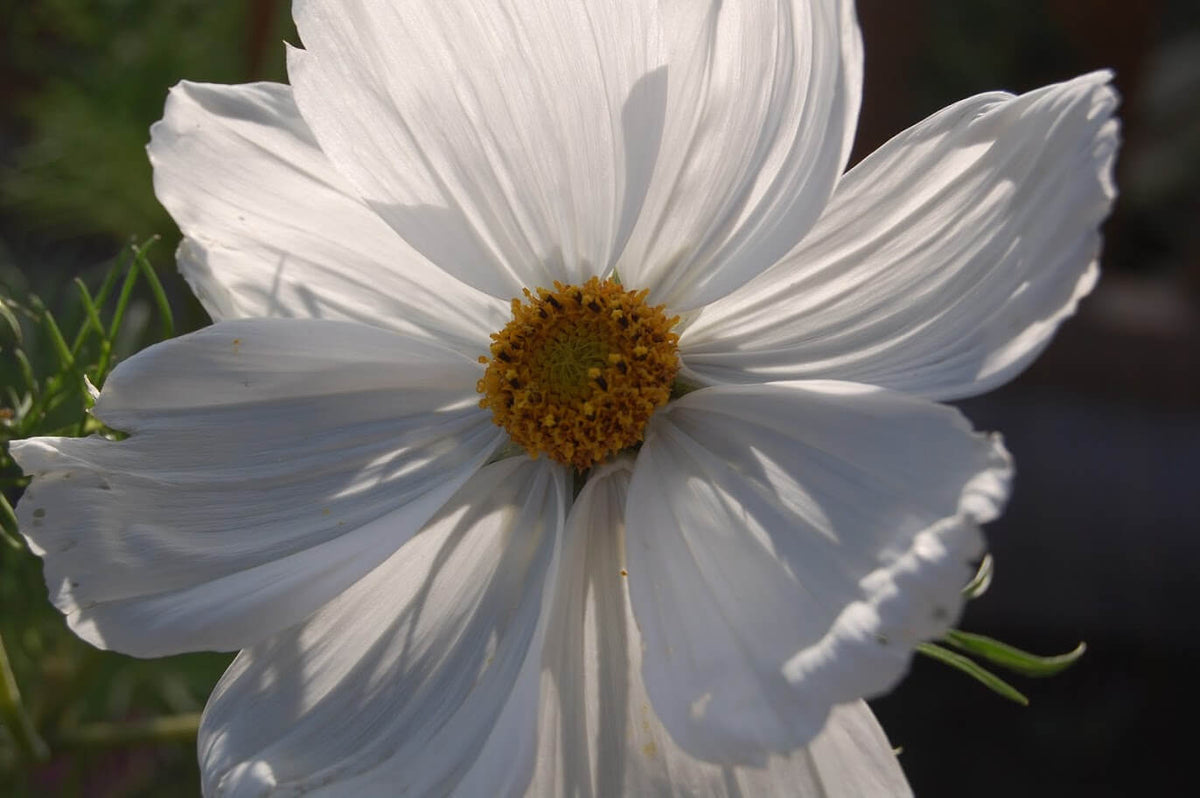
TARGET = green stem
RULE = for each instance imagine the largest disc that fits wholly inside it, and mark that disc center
(14, 715)
(169, 728)
(160, 296)
(8, 524)
(118, 316)
(97, 302)
(93, 317)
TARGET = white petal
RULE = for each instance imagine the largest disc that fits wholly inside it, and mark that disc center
(270, 464)
(409, 679)
(274, 230)
(763, 101)
(510, 141)
(945, 261)
(599, 734)
(788, 544)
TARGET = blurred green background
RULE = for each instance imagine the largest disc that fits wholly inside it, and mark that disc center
(1099, 543)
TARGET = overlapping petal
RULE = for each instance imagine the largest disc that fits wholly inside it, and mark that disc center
(510, 141)
(599, 734)
(701, 140)
(945, 261)
(788, 544)
(762, 104)
(705, 619)
(272, 229)
(422, 677)
(269, 464)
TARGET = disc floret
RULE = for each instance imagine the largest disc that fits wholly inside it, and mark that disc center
(579, 370)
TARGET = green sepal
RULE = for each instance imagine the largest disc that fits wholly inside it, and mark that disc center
(974, 670)
(1011, 658)
(982, 579)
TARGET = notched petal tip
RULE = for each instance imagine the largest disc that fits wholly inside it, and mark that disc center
(836, 524)
(985, 495)
(916, 597)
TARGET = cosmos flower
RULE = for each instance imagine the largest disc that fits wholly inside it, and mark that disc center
(570, 420)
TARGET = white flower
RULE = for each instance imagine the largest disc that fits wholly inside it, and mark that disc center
(318, 490)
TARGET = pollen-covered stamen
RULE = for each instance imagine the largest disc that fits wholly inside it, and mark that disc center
(579, 370)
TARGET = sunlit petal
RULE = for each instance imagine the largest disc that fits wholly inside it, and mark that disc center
(419, 679)
(789, 544)
(270, 464)
(763, 100)
(274, 230)
(599, 733)
(946, 260)
(509, 141)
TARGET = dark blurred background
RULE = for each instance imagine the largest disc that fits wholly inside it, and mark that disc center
(1100, 541)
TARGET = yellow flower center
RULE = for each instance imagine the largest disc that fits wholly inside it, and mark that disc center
(579, 370)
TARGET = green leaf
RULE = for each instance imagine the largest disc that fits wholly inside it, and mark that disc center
(1012, 658)
(23, 363)
(93, 315)
(110, 282)
(982, 580)
(131, 275)
(106, 345)
(66, 359)
(974, 670)
(10, 319)
(160, 296)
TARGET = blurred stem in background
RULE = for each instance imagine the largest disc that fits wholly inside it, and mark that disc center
(31, 746)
